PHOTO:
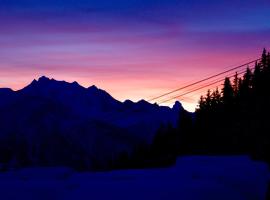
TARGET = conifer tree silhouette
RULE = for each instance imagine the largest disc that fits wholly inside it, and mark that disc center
(227, 91)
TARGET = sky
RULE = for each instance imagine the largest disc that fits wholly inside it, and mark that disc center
(133, 49)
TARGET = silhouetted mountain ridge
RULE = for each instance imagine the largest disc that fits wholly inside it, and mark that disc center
(52, 122)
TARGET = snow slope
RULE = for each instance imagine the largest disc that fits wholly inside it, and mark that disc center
(193, 178)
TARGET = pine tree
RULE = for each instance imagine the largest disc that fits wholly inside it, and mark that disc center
(235, 84)
(268, 60)
(247, 77)
(227, 92)
(216, 98)
(208, 99)
(202, 103)
(256, 79)
(264, 58)
(245, 87)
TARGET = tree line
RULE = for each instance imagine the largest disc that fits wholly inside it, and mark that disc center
(232, 120)
(228, 121)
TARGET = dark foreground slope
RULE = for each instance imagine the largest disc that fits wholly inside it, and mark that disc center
(192, 178)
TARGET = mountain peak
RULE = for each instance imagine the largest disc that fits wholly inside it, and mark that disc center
(177, 106)
(41, 81)
(43, 78)
(75, 83)
(93, 87)
(142, 101)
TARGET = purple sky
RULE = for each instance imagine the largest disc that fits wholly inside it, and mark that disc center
(133, 49)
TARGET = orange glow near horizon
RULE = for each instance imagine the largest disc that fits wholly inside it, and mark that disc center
(132, 49)
(145, 83)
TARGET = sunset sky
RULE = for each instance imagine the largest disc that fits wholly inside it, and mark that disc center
(133, 49)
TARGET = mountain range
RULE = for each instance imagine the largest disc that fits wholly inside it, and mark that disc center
(52, 122)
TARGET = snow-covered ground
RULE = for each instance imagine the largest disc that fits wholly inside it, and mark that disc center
(193, 178)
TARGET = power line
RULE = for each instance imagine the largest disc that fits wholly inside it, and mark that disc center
(134, 109)
(227, 75)
(203, 80)
(202, 87)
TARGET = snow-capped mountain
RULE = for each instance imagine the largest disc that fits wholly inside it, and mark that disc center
(55, 122)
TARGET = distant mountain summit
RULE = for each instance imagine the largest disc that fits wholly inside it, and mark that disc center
(52, 122)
